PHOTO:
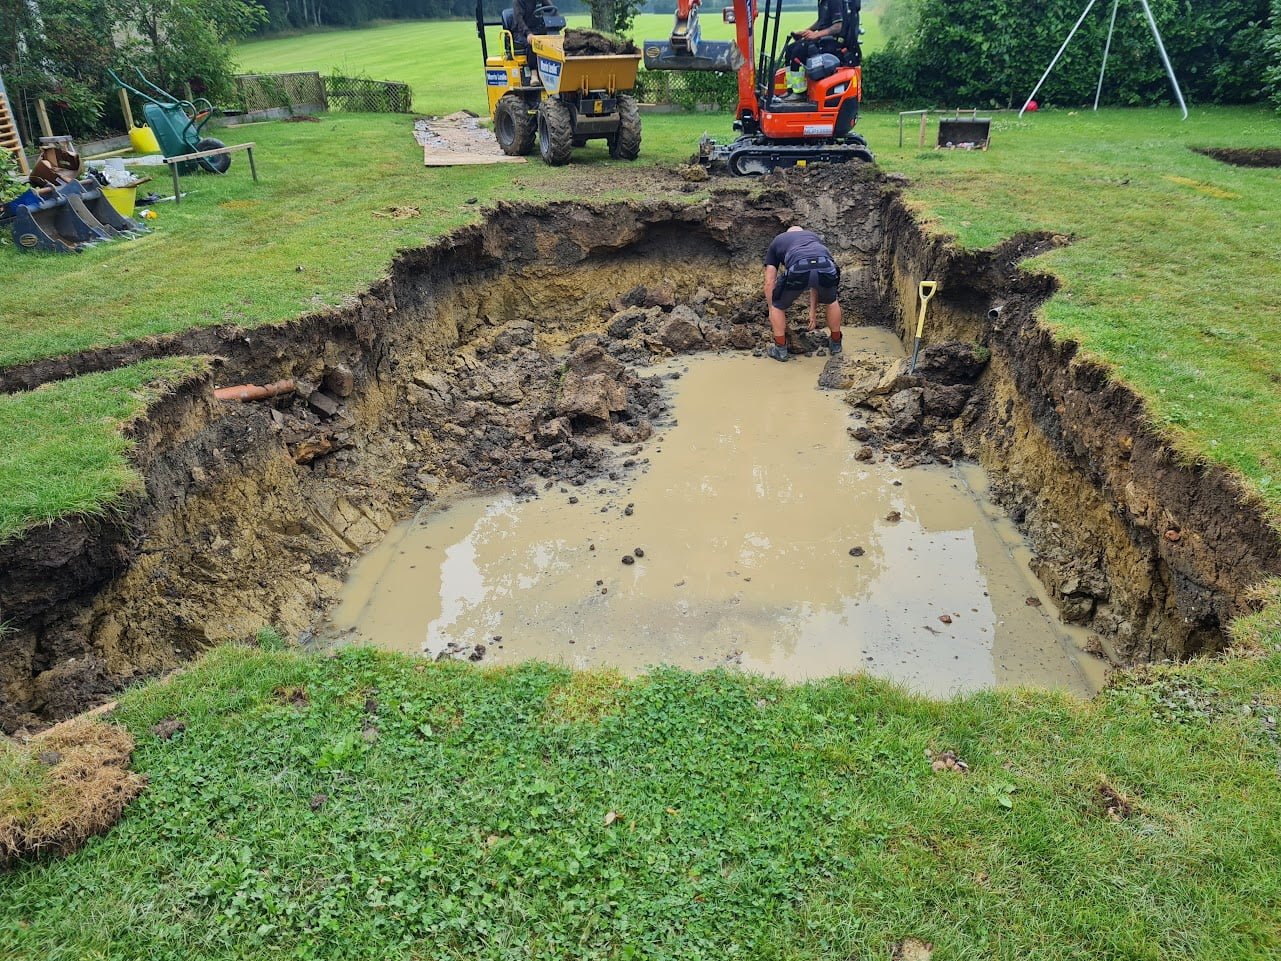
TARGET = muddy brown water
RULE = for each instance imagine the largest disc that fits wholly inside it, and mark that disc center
(746, 513)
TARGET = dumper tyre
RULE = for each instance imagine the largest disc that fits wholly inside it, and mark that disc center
(513, 126)
(215, 165)
(625, 143)
(555, 132)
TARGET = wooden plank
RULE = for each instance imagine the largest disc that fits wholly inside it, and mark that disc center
(443, 158)
(126, 109)
(210, 153)
(45, 129)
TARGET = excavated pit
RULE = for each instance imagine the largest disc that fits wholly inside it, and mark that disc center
(518, 353)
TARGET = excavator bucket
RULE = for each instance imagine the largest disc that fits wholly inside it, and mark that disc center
(99, 211)
(53, 227)
(712, 56)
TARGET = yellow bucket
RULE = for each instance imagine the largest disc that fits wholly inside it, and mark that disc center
(143, 140)
(122, 198)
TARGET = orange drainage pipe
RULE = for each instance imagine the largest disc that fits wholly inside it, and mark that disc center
(247, 392)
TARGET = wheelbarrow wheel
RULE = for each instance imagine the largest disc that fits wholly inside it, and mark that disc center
(215, 165)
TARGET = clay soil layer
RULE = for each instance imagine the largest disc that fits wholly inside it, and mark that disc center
(518, 348)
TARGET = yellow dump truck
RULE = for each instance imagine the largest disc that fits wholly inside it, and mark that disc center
(537, 92)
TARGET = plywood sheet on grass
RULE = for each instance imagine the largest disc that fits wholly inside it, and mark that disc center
(458, 140)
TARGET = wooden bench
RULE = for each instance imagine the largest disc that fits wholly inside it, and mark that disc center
(174, 162)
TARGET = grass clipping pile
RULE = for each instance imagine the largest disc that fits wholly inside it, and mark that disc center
(63, 787)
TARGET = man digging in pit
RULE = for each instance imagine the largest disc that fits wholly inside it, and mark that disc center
(806, 264)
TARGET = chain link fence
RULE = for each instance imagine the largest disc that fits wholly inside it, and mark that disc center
(274, 91)
(311, 92)
(361, 95)
(687, 89)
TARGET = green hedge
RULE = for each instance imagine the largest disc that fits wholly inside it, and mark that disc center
(989, 53)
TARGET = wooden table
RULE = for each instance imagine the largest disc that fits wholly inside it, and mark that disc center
(173, 163)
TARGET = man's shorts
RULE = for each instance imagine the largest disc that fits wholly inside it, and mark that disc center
(817, 272)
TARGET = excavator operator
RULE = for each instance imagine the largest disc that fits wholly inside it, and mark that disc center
(823, 36)
(525, 20)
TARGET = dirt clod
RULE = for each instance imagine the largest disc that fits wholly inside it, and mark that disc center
(628, 560)
(318, 801)
(168, 727)
(1112, 803)
(639, 552)
(912, 949)
(945, 618)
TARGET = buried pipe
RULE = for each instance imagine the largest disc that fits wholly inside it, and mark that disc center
(249, 392)
(995, 313)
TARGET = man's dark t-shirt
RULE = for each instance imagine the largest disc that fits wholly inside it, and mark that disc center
(791, 247)
(830, 12)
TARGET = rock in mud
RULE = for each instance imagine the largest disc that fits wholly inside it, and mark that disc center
(905, 409)
(952, 362)
(624, 321)
(680, 333)
(591, 390)
(631, 433)
(663, 296)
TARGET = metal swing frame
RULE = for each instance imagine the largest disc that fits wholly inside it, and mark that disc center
(1156, 35)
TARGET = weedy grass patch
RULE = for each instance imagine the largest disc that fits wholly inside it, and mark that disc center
(442, 810)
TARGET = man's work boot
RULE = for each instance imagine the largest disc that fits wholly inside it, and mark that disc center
(833, 346)
(777, 352)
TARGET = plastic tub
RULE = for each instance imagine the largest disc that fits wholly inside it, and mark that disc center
(143, 140)
(122, 198)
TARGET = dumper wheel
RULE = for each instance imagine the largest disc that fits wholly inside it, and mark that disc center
(555, 132)
(513, 126)
(625, 143)
(215, 165)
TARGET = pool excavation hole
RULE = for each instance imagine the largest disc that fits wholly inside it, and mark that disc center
(529, 359)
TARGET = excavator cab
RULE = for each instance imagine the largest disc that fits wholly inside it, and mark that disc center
(774, 131)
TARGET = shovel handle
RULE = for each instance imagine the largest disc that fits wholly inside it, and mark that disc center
(926, 291)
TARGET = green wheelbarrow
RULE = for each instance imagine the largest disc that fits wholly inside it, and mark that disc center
(177, 125)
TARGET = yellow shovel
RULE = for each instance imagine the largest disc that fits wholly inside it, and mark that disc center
(928, 287)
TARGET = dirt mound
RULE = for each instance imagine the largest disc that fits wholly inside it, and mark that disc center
(1244, 156)
(63, 787)
(589, 43)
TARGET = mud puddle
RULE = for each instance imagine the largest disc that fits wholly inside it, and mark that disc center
(746, 519)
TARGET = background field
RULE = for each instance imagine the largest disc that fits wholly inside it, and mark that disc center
(440, 59)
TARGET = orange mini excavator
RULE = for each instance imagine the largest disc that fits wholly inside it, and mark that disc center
(773, 131)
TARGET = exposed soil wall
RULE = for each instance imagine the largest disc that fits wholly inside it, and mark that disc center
(1154, 553)
(501, 353)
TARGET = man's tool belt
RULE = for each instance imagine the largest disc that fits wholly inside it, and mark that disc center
(798, 274)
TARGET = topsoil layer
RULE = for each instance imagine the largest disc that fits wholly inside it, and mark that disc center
(516, 349)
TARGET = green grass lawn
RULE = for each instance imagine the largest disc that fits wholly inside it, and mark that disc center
(370, 806)
(441, 59)
(61, 448)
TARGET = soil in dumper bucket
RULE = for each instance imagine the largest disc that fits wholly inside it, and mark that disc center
(589, 43)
